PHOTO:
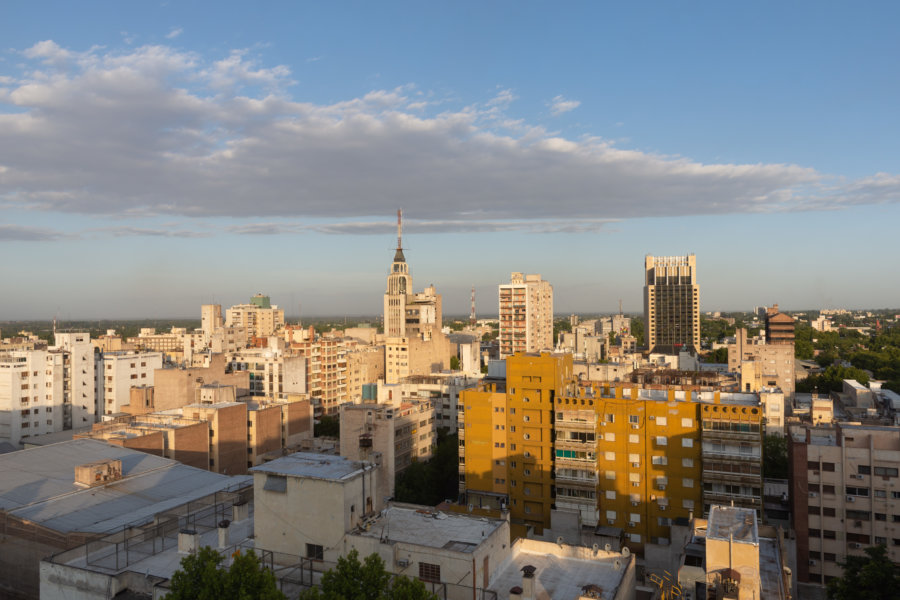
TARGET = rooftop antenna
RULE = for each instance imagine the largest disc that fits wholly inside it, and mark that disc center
(399, 229)
(472, 318)
(620, 307)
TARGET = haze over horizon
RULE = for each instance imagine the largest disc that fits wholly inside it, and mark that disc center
(157, 157)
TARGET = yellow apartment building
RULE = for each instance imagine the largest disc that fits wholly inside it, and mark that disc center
(621, 455)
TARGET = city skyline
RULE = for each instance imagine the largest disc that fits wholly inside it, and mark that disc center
(155, 158)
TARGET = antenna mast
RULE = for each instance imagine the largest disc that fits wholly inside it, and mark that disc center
(399, 229)
(472, 319)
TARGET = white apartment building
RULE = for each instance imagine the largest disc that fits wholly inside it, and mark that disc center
(31, 394)
(272, 374)
(259, 317)
(117, 372)
(79, 408)
(526, 315)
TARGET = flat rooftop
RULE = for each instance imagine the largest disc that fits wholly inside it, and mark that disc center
(38, 484)
(732, 522)
(434, 529)
(313, 466)
(561, 571)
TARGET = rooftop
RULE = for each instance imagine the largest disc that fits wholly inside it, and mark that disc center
(732, 522)
(38, 484)
(562, 572)
(415, 525)
(313, 466)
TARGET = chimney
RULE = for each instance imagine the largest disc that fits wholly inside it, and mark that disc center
(240, 511)
(515, 593)
(528, 582)
(223, 533)
(188, 540)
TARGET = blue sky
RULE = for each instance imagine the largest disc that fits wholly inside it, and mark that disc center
(155, 156)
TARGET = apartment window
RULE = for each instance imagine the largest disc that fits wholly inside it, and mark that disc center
(688, 483)
(610, 494)
(315, 552)
(828, 467)
(828, 489)
(828, 511)
(687, 443)
(880, 541)
(609, 455)
(634, 438)
(687, 462)
(828, 534)
(512, 428)
(610, 418)
(659, 460)
(830, 556)
(886, 471)
(814, 533)
(429, 572)
(610, 515)
(662, 440)
(662, 421)
(634, 419)
(815, 554)
(610, 437)
(274, 483)
(610, 474)
(864, 470)
(881, 493)
(880, 517)
(812, 465)
(687, 423)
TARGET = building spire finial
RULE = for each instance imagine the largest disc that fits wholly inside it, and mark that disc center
(399, 229)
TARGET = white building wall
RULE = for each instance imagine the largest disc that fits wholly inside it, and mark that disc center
(118, 372)
(31, 394)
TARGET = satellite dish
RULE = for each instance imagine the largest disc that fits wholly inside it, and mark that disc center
(626, 552)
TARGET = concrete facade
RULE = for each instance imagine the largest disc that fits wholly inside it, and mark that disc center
(671, 303)
(526, 315)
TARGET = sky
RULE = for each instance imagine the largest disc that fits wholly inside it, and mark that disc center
(155, 156)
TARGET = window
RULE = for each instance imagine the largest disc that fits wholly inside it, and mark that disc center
(610, 437)
(828, 489)
(662, 440)
(610, 495)
(688, 483)
(828, 467)
(687, 462)
(662, 421)
(315, 552)
(634, 438)
(687, 423)
(634, 419)
(609, 455)
(864, 470)
(687, 443)
(659, 460)
(828, 512)
(610, 418)
(274, 483)
(886, 471)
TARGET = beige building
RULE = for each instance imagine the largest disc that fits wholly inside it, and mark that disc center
(365, 365)
(175, 388)
(259, 317)
(526, 315)
(671, 303)
(400, 432)
(118, 372)
(762, 365)
(844, 495)
(272, 372)
(326, 367)
(210, 320)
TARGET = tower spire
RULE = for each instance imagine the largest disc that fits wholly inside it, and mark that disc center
(399, 229)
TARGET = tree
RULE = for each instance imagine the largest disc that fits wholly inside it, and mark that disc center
(327, 427)
(201, 577)
(369, 580)
(454, 363)
(775, 459)
(872, 577)
(435, 480)
(719, 356)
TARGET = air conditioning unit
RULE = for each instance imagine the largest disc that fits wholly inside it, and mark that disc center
(856, 476)
(632, 524)
(661, 486)
(812, 562)
(652, 417)
(856, 545)
(851, 499)
(403, 562)
(635, 503)
(663, 507)
(635, 484)
(610, 521)
(635, 426)
(636, 465)
(813, 494)
(603, 424)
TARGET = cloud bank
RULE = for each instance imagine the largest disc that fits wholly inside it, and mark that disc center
(157, 131)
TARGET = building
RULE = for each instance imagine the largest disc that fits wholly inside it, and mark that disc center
(326, 367)
(118, 372)
(210, 321)
(671, 303)
(273, 373)
(761, 364)
(401, 432)
(259, 317)
(844, 495)
(60, 496)
(46, 390)
(779, 327)
(175, 388)
(730, 555)
(620, 456)
(217, 434)
(526, 315)
(414, 343)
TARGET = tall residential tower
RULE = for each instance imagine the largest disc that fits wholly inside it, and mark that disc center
(671, 303)
(526, 315)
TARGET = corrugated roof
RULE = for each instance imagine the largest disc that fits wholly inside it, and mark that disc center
(38, 484)
(316, 466)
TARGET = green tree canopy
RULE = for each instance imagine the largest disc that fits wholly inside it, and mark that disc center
(201, 577)
(367, 580)
(873, 577)
(775, 459)
(328, 426)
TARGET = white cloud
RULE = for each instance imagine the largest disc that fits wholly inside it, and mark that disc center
(153, 130)
(560, 105)
(174, 33)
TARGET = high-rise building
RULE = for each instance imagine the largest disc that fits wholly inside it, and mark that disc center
(671, 303)
(526, 315)
(414, 344)
(259, 316)
(779, 326)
